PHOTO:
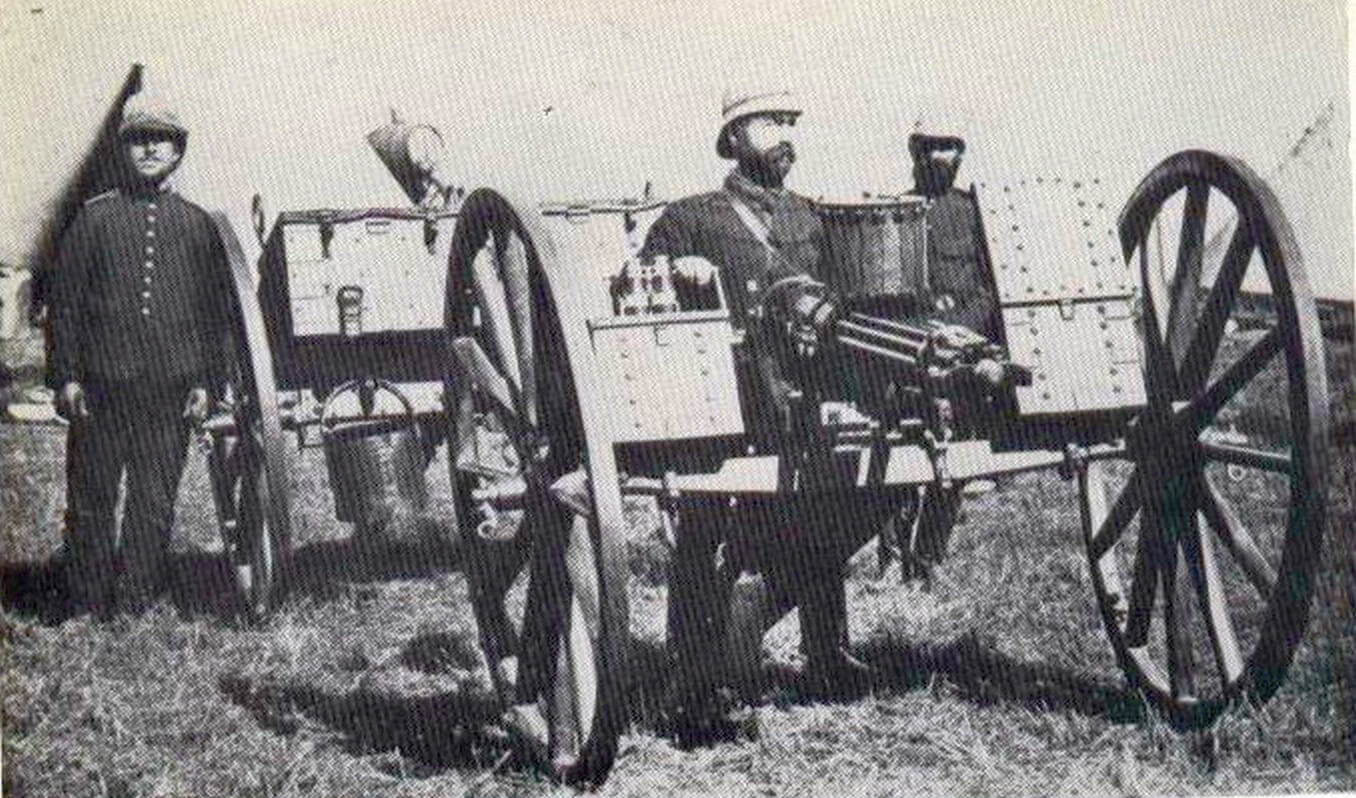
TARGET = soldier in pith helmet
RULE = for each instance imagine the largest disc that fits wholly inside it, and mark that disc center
(139, 316)
(756, 232)
(961, 293)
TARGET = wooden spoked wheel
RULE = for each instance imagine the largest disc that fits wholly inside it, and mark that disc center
(1204, 538)
(247, 464)
(547, 576)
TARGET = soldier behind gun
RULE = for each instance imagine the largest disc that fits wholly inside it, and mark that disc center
(960, 294)
(138, 302)
(757, 232)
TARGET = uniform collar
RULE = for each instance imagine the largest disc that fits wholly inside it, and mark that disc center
(761, 197)
(145, 192)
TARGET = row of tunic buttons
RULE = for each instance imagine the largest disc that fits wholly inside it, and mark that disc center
(150, 261)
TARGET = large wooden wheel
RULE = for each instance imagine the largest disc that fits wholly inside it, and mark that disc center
(1203, 551)
(247, 464)
(548, 579)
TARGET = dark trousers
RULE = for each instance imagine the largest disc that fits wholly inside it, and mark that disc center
(801, 545)
(139, 429)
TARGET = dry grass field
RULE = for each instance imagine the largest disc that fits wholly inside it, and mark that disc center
(367, 682)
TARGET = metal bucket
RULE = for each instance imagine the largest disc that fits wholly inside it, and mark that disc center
(875, 247)
(375, 462)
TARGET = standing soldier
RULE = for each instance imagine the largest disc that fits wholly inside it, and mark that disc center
(757, 232)
(961, 294)
(138, 301)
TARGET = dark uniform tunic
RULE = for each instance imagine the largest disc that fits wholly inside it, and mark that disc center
(139, 309)
(954, 267)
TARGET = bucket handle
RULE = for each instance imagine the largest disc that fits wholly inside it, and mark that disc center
(355, 385)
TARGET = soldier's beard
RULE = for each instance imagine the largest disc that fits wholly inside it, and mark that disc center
(933, 179)
(769, 168)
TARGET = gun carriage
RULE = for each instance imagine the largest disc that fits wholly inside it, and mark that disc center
(573, 376)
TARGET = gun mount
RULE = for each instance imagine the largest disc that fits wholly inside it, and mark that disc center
(565, 391)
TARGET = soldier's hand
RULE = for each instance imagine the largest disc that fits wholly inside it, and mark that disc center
(70, 402)
(197, 406)
(695, 269)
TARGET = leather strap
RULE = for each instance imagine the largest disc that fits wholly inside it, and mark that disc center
(753, 221)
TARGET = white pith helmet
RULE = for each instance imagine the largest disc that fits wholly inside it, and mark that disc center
(747, 101)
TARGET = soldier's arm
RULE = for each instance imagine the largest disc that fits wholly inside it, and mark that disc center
(975, 303)
(670, 235)
(67, 286)
(216, 312)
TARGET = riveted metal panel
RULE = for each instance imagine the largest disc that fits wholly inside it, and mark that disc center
(1085, 356)
(1067, 295)
(1051, 238)
(668, 381)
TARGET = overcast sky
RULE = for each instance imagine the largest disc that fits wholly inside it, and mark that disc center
(582, 98)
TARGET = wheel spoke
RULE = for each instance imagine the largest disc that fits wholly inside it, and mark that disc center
(518, 285)
(494, 311)
(492, 569)
(1223, 518)
(1201, 411)
(1186, 281)
(1276, 462)
(564, 709)
(548, 591)
(1177, 616)
(1111, 525)
(1158, 367)
(1219, 305)
(1200, 556)
(1143, 579)
(581, 564)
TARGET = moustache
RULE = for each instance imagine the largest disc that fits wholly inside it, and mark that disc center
(782, 150)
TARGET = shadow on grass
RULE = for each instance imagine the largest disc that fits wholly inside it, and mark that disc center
(979, 672)
(200, 584)
(326, 568)
(35, 589)
(986, 676)
(455, 729)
